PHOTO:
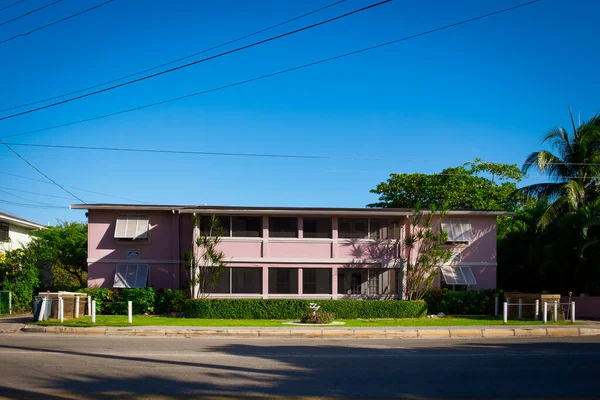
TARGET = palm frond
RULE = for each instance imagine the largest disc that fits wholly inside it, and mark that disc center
(546, 190)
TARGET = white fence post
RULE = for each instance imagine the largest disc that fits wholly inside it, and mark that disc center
(93, 311)
(537, 310)
(76, 306)
(505, 314)
(545, 312)
(496, 306)
(555, 311)
(520, 308)
(89, 305)
(573, 312)
(129, 312)
(10, 302)
(61, 310)
(42, 309)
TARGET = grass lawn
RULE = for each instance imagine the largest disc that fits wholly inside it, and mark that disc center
(140, 320)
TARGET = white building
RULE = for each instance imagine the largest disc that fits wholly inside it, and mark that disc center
(14, 231)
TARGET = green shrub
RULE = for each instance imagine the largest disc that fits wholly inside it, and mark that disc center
(291, 309)
(114, 301)
(19, 275)
(317, 318)
(170, 300)
(469, 302)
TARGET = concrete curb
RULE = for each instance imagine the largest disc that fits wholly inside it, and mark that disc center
(348, 333)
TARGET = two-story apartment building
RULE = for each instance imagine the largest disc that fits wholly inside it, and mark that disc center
(282, 251)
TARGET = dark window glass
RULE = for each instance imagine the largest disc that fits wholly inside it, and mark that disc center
(317, 228)
(283, 227)
(352, 228)
(4, 237)
(316, 280)
(283, 280)
(246, 226)
(246, 280)
(222, 285)
(224, 222)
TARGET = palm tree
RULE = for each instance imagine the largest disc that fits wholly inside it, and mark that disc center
(574, 172)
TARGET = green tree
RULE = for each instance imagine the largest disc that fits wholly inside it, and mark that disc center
(474, 185)
(573, 171)
(206, 262)
(426, 251)
(63, 249)
(19, 275)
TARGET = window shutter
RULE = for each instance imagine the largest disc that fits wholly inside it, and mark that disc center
(141, 230)
(121, 226)
(120, 276)
(141, 276)
(467, 231)
(131, 226)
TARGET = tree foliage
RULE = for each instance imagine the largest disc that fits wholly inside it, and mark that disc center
(19, 275)
(63, 249)
(474, 185)
(206, 262)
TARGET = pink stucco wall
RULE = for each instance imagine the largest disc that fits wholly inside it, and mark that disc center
(585, 307)
(171, 235)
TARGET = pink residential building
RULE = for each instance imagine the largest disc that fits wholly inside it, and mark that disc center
(275, 252)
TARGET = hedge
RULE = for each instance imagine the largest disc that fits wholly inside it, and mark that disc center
(289, 309)
(469, 302)
(145, 301)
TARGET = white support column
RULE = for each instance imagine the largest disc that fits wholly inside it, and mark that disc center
(496, 306)
(10, 302)
(93, 311)
(545, 313)
(555, 311)
(43, 308)
(537, 310)
(61, 309)
(129, 312)
(520, 309)
(89, 305)
(76, 306)
(300, 281)
(505, 313)
(573, 312)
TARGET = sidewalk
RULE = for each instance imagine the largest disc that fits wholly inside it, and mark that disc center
(591, 329)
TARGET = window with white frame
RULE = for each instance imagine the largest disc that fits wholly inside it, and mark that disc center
(369, 228)
(246, 226)
(283, 280)
(4, 232)
(373, 283)
(132, 227)
(384, 228)
(131, 276)
(459, 231)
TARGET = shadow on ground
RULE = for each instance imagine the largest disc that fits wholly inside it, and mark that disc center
(373, 370)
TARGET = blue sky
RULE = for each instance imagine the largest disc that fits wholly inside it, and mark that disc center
(489, 89)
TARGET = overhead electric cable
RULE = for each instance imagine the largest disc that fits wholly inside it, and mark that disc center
(55, 22)
(281, 72)
(131, 82)
(177, 60)
(29, 12)
(72, 187)
(11, 4)
(40, 172)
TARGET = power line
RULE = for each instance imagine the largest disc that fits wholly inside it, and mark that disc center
(281, 72)
(179, 59)
(56, 22)
(234, 154)
(71, 187)
(39, 171)
(30, 12)
(272, 38)
(12, 4)
(25, 198)
(36, 193)
(33, 205)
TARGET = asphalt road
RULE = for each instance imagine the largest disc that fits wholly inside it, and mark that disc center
(54, 367)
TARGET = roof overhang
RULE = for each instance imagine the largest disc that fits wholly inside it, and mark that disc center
(241, 210)
(19, 221)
